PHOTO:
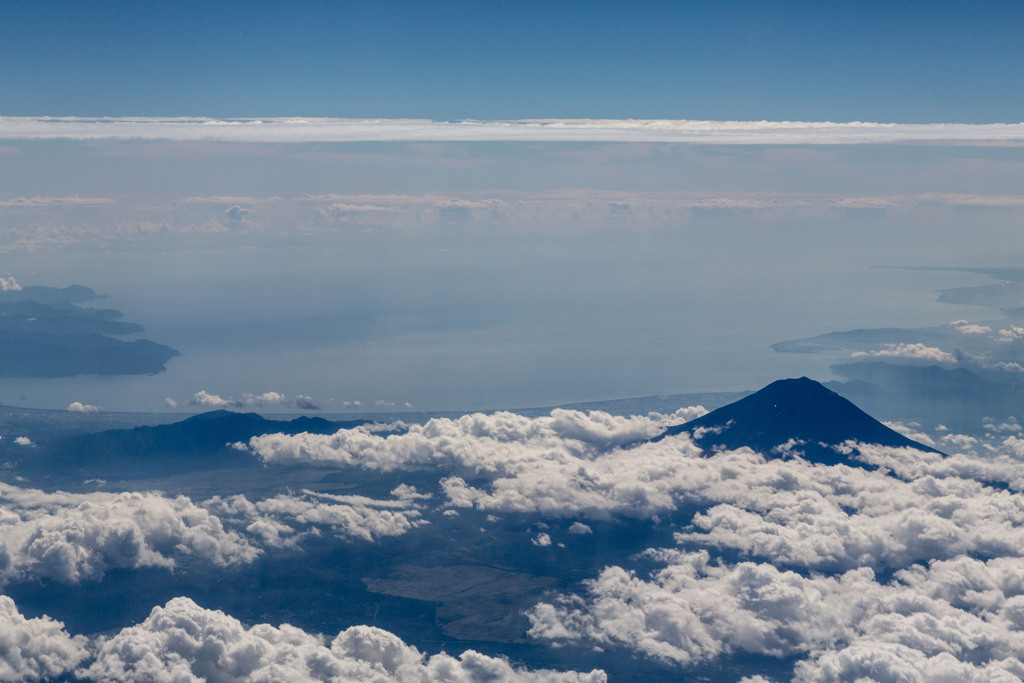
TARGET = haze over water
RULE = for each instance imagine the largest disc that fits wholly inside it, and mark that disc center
(462, 317)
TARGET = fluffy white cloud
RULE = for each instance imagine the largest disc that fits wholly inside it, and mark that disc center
(893, 663)
(268, 399)
(484, 443)
(76, 537)
(566, 463)
(9, 285)
(35, 649)
(567, 130)
(695, 610)
(204, 399)
(915, 351)
(23, 441)
(184, 642)
(913, 506)
(283, 520)
(79, 407)
(1011, 334)
(953, 608)
(964, 327)
(911, 431)
(946, 530)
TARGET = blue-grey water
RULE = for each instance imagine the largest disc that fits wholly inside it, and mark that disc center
(495, 316)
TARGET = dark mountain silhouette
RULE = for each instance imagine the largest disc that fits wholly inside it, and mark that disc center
(45, 333)
(200, 442)
(42, 354)
(801, 410)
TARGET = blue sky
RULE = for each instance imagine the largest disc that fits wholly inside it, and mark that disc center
(500, 263)
(872, 61)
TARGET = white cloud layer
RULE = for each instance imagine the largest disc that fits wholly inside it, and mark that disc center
(812, 540)
(569, 462)
(536, 130)
(960, 618)
(268, 399)
(908, 571)
(74, 537)
(182, 642)
(917, 506)
(35, 649)
(914, 351)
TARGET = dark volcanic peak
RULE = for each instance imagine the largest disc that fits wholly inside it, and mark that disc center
(800, 412)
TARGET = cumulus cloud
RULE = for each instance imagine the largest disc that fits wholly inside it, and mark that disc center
(23, 441)
(914, 564)
(268, 399)
(1011, 334)
(565, 463)
(283, 520)
(35, 649)
(75, 537)
(9, 285)
(204, 399)
(566, 130)
(952, 609)
(264, 399)
(78, 537)
(694, 610)
(236, 215)
(914, 351)
(79, 407)
(964, 327)
(541, 540)
(911, 431)
(181, 641)
(914, 506)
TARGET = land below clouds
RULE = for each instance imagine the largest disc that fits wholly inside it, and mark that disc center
(452, 533)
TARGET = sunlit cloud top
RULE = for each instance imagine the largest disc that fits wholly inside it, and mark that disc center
(526, 130)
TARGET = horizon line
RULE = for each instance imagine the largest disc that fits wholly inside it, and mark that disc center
(685, 131)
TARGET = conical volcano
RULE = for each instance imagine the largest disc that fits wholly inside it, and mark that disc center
(800, 413)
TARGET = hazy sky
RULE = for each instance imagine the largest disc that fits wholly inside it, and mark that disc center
(460, 275)
(440, 251)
